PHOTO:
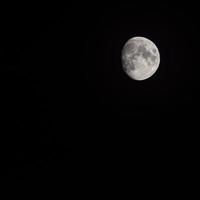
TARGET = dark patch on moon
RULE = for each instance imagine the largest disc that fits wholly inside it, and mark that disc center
(153, 58)
(128, 64)
(130, 47)
(135, 55)
(132, 65)
(145, 53)
(154, 50)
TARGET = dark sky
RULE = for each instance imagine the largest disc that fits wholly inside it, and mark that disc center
(168, 97)
(64, 92)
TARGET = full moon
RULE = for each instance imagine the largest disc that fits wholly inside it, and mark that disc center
(140, 58)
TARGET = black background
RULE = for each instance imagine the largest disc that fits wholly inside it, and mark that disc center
(68, 105)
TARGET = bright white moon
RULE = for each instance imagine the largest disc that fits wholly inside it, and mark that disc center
(140, 58)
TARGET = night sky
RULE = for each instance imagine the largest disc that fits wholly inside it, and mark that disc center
(165, 102)
(65, 97)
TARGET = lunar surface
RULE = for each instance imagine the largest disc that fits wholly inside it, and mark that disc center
(140, 58)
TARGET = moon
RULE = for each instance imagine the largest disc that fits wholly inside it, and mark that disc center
(140, 58)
